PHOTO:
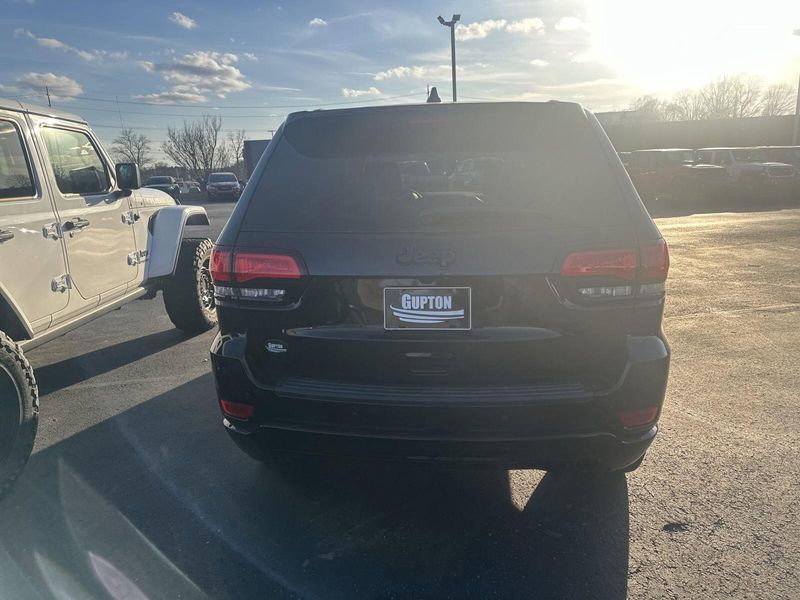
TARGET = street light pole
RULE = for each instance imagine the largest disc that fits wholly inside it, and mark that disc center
(796, 134)
(452, 25)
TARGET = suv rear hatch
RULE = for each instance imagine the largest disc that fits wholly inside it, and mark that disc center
(531, 273)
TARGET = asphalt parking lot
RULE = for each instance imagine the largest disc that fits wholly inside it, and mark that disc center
(134, 490)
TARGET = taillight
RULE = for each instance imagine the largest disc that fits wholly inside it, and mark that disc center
(251, 265)
(232, 266)
(220, 264)
(655, 262)
(236, 266)
(648, 267)
(614, 263)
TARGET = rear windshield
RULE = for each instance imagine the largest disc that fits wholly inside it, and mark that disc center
(222, 178)
(419, 170)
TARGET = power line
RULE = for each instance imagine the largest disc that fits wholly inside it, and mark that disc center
(211, 107)
(157, 128)
(157, 114)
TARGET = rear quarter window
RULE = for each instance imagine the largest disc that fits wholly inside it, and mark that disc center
(343, 172)
(15, 172)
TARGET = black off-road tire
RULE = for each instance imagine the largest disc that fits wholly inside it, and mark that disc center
(19, 411)
(189, 293)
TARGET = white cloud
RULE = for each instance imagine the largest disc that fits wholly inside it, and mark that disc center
(568, 24)
(538, 62)
(351, 93)
(54, 44)
(317, 22)
(414, 71)
(530, 25)
(478, 31)
(197, 74)
(482, 29)
(171, 97)
(61, 87)
(250, 56)
(182, 20)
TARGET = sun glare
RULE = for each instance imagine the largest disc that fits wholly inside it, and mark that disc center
(663, 47)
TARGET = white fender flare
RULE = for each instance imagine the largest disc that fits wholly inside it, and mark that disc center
(165, 236)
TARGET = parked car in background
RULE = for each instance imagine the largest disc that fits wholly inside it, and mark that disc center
(786, 154)
(673, 173)
(783, 154)
(750, 171)
(79, 237)
(164, 183)
(515, 321)
(223, 186)
(189, 187)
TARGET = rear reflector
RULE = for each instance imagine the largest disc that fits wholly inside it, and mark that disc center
(230, 265)
(638, 417)
(615, 263)
(237, 410)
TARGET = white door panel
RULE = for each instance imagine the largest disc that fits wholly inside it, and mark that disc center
(98, 238)
(30, 260)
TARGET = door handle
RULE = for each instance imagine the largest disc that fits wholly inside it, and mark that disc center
(5, 236)
(75, 224)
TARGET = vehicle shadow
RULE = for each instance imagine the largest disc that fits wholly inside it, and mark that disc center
(156, 501)
(55, 376)
(667, 207)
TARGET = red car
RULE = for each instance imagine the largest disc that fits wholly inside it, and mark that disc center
(674, 173)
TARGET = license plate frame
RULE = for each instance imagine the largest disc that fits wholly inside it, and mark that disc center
(398, 318)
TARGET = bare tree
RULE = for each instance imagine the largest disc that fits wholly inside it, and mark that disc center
(648, 108)
(685, 106)
(197, 146)
(236, 151)
(777, 99)
(731, 97)
(130, 146)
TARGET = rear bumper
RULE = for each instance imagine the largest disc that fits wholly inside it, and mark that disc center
(598, 451)
(544, 426)
(224, 193)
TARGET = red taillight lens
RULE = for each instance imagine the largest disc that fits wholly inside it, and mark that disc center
(250, 265)
(638, 417)
(655, 262)
(220, 264)
(237, 410)
(229, 265)
(616, 263)
(622, 263)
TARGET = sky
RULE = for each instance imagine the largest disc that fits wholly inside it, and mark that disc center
(152, 64)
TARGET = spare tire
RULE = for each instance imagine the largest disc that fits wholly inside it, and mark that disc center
(19, 411)
(189, 293)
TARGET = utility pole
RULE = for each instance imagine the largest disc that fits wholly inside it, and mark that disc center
(47, 91)
(452, 25)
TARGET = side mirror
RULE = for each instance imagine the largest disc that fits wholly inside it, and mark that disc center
(128, 177)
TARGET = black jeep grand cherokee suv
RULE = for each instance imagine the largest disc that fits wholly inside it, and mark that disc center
(513, 317)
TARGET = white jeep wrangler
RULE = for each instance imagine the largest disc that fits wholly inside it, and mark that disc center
(79, 237)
